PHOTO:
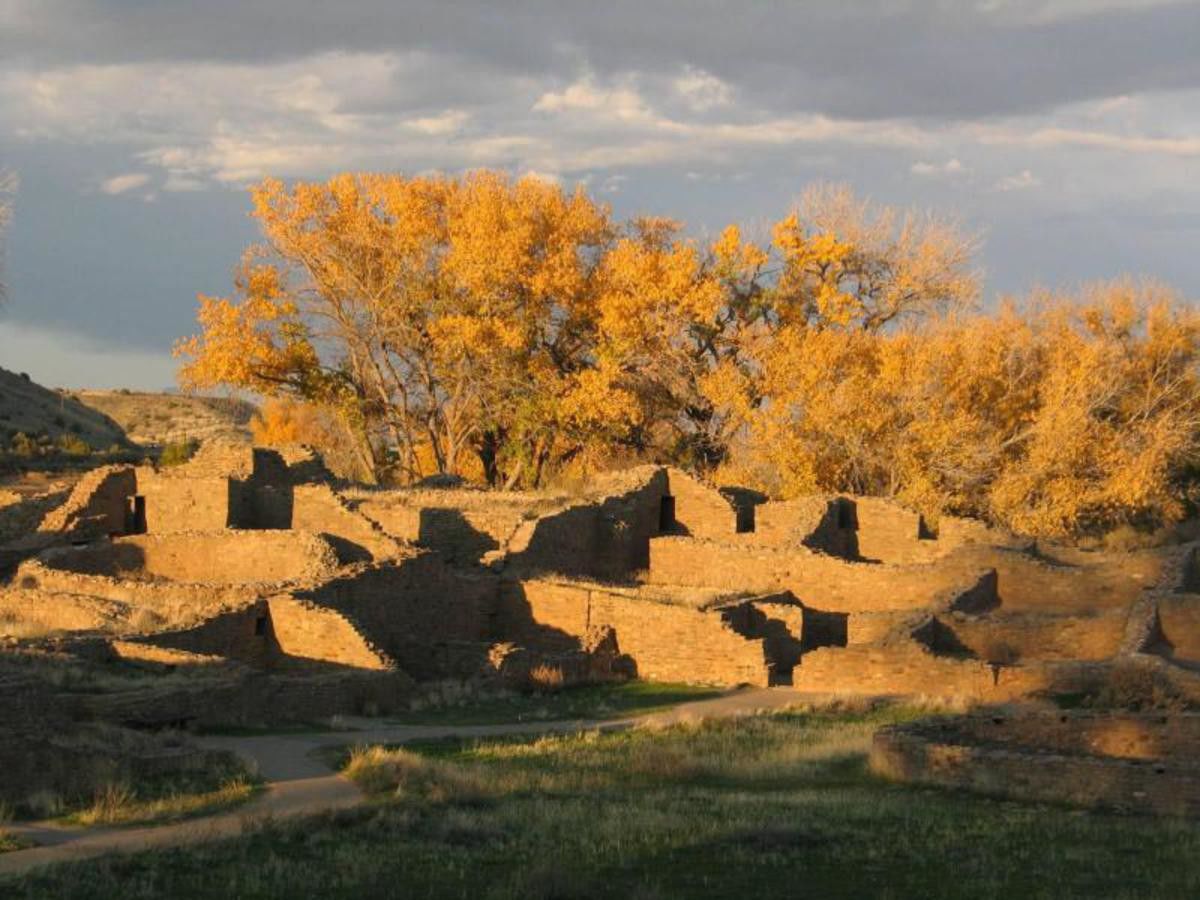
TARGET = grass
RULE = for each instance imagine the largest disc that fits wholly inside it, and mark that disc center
(596, 702)
(767, 806)
(222, 784)
(10, 842)
(120, 804)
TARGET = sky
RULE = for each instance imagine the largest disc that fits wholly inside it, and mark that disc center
(1065, 132)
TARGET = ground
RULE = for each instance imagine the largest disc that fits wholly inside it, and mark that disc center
(769, 805)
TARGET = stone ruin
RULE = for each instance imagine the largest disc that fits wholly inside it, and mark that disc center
(285, 595)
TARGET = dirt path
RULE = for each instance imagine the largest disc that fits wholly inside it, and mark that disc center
(299, 783)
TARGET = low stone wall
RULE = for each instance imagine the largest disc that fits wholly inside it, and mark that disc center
(667, 643)
(822, 581)
(23, 613)
(1014, 636)
(255, 698)
(221, 557)
(906, 668)
(176, 603)
(1138, 763)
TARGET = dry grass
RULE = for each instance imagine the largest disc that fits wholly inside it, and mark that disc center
(118, 804)
(403, 774)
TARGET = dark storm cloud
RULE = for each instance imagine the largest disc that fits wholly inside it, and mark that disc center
(937, 60)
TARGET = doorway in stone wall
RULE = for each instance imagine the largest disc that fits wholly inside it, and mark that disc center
(135, 515)
(666, 514)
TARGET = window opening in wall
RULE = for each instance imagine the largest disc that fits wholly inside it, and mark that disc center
(260, 625)
(137, 516)
(745, 519)
(666, 514)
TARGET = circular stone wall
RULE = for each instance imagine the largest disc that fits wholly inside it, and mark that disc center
(1126, 761)
(218, 557)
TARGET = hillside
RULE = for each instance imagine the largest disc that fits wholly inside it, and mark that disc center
(157, 419)
(27, 407)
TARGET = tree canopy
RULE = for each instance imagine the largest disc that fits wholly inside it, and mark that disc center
(507, 330)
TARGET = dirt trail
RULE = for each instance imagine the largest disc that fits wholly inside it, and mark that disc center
(299, 783)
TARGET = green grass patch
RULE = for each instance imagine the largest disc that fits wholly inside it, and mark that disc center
(766, 806)
(594, 701)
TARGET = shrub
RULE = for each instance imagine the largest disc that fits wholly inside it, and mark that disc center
(176, 454)
(24, 445)
(73, 446)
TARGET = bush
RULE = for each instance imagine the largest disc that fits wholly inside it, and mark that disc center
(176, 454)
(24, 445)
(73, 446)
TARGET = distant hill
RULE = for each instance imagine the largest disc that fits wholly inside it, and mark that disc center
(159, 419)
(27, 407)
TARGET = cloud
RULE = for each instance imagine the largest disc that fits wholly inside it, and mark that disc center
(119, 184)
(1055, 137)
(444, 123)
(1018, 182)
(622, 103)
(930, 170)
(702, 90)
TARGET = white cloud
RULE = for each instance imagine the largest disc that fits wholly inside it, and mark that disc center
(1018, 182)
(119, 184)
(448, 122)
(613, 184)
(702, 90)
(623, 103)
(951, 167)
(1053, 137)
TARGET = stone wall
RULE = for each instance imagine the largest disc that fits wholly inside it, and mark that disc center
(178, 502)
(667, 643)
(1038, 636)
(908, 668)
(605, 537)
(1179, 615)
(411, 609)
(1127, 762)
(256, 698)
(176, 602)
(303, 630)
(318, 508)
(818, 580)
(98, 504)
(221, 557)
(700, 511)
(278, 632)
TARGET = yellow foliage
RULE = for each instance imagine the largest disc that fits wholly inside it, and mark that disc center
(506, 329)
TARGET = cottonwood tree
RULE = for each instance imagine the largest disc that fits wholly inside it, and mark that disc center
(1059, 415)
(445, 318)
(437, 316)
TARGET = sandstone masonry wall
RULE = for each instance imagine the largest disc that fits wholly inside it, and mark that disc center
(668, 643)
